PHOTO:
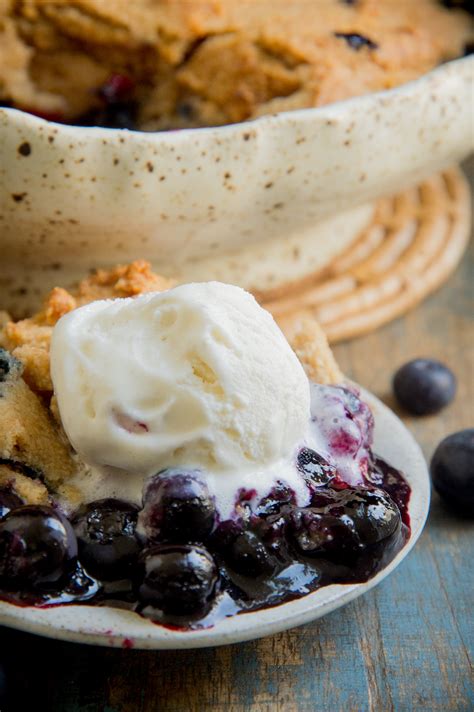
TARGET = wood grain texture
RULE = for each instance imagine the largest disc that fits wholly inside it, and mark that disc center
(407, 646)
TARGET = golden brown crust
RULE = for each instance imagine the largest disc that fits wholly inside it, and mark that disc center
(29, 339)
(28, 434)
(310, 344)
(199, 62)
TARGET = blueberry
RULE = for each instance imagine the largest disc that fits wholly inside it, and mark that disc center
(111, 116)
(179, 579)
(242, 550)
(185, 110)
(452, 470)
(344, 521)
(271, 530)
(117, 89)
(105, 530)
(424, 386)
(177, 507)
(9, 365)
(317, 470)
(316, 533)
(356, 41)
(325, 497)
(120, 116)
(118, 109)
(8, 500)
(373, 513)
(358, 411)
(37, 547)
(280, 497)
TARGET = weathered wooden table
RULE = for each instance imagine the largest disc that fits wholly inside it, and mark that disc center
(405, 646)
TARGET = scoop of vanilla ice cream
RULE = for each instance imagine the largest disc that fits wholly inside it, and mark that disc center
(199, 375)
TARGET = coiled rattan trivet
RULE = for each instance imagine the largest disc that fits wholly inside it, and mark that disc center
(416, 240)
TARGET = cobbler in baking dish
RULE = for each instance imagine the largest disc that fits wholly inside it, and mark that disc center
(167, 64)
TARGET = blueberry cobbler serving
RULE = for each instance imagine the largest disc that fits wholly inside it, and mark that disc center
(164, 449)
(167, 64)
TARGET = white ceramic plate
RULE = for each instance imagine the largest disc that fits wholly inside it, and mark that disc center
(113, 627)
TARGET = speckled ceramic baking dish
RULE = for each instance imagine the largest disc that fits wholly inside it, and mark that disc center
(257, 203)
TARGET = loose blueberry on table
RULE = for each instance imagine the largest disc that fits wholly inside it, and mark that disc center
(424, 386)
(452, 471)
(175, 561)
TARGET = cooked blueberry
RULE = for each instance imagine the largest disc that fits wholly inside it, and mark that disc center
(315, 467)
(8, 500)
(391, 480)
(105, 530)
(179, 579)
(357, 410)
(242, 550)
(345, 420)
(374, 514)
(177, 507)
(120, 116)
(452, 470)
(325, 497)
(37, 547)
(424, 386)
(271, 530)
(111, 116)
(8, 365)
(348, 519)
(277, 499)
(185, 110)
(356, 41)
(225, 534)
(317, 533)
(117, 89)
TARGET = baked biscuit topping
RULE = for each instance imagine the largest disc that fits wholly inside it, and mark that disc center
(29, 339)
(160, 64)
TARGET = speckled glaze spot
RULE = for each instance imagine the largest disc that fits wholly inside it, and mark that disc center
(24, 149)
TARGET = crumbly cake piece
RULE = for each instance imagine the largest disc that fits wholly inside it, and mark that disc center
(312, 348)
(31, 491)
(29, 339)
(30, 441)
(210, 62)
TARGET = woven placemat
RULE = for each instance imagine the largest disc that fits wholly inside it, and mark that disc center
(414, 243)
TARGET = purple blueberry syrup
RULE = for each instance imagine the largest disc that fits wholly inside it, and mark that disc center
(177, 563)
